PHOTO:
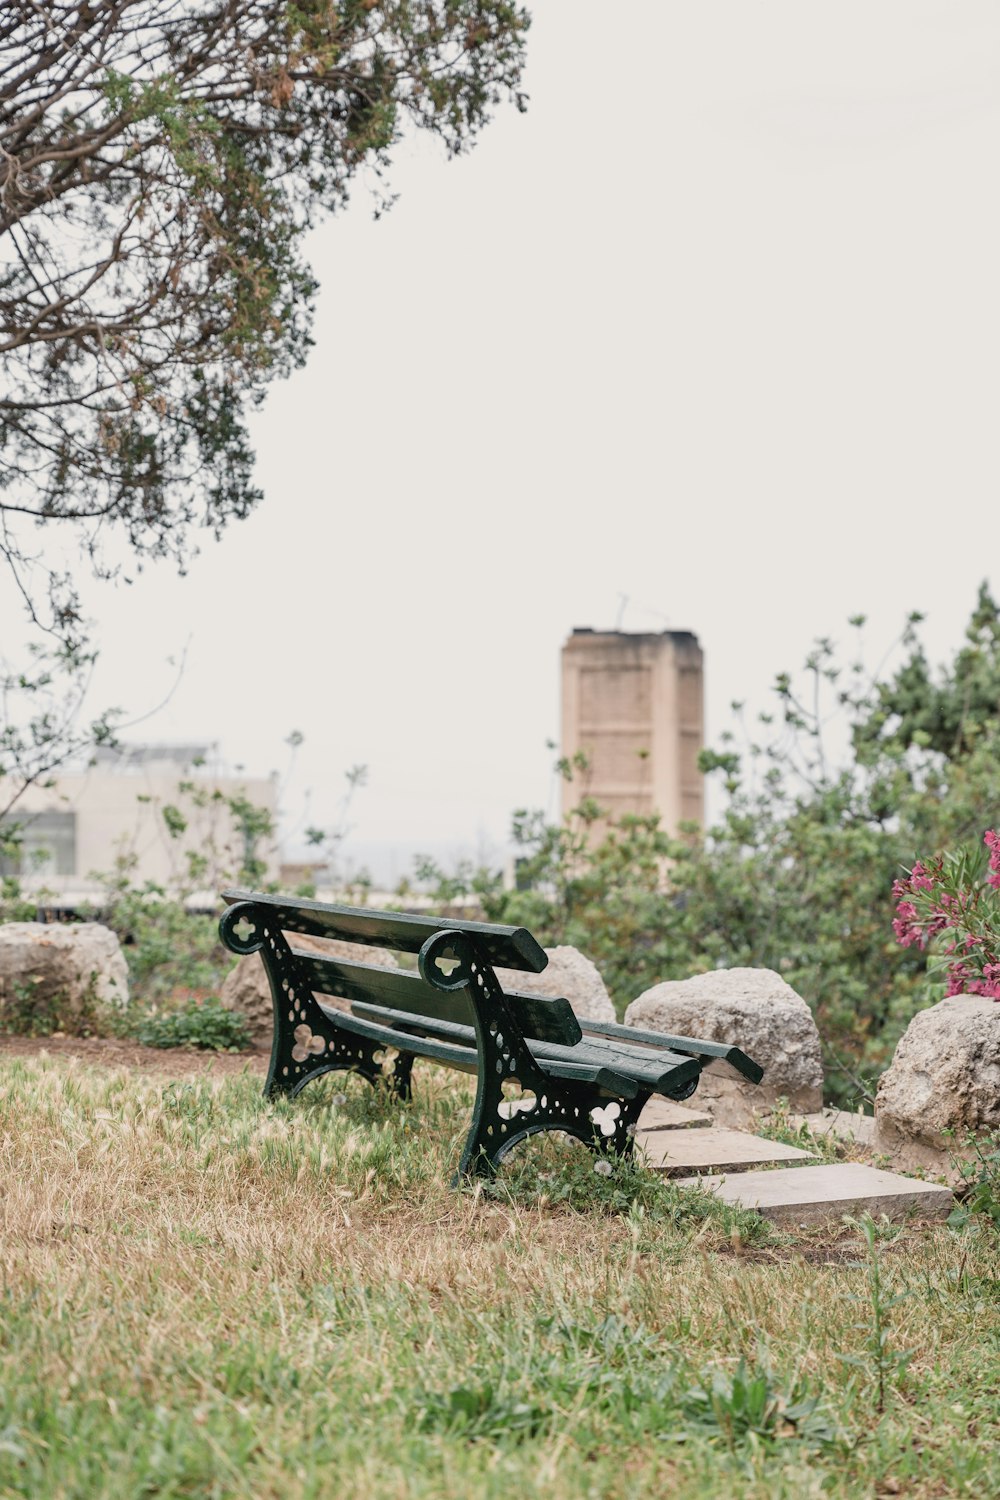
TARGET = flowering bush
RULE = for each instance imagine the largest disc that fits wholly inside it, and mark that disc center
(954, 897)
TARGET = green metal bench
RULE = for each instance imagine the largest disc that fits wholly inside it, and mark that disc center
(538, 1066)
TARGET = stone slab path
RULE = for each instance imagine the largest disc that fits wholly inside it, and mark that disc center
(712, 1149)
(664, 1114)
(841, 1123)
(812, 1195)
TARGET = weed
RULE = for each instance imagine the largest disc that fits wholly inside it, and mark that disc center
(884, 1365)
(750, 1403)
(166, 947)
(980, 1181)
(779, 1126)
(481, 1411)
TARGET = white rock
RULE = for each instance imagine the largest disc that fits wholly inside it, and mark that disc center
(569, 975)
(245, 988)
(55, 972)
(944, 1077)
(753, 1009)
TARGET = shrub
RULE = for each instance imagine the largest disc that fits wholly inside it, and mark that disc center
(199, 1023)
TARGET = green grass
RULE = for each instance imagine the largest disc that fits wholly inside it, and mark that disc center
(206, 1295)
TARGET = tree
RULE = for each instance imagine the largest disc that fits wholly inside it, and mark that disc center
(160, 161)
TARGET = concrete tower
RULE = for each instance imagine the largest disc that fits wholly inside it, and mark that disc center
(634, 704)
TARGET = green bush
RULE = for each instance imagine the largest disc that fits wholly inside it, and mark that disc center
(199, 1023)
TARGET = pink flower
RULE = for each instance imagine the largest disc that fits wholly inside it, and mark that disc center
(933, 903)
(908, 933)
(992, 841)
(958, 980)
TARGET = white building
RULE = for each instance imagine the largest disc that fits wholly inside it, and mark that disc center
(169, 811)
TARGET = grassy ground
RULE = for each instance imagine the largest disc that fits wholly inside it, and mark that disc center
(203, 1294)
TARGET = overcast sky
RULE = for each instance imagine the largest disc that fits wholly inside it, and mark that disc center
(713, 328)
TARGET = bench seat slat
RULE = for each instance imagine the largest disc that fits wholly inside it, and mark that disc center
(657, 1071)
(689, 1044)
(511, 947)
(465, 1058)
(550, 1020)
(462, 1058)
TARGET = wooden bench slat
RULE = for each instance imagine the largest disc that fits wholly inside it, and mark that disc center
(689, 1044)
(656, 1071)
(510, 947)
(456, 1057)
(465, 1058)
(548, 1019)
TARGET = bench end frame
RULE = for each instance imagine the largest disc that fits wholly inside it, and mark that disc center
(307, 1042)
(601, 1120)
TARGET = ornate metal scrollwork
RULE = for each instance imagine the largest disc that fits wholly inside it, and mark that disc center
(244, 914)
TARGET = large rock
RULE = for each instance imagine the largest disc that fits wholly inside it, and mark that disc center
(944, 1077)
(570, 975)
(53, 976)
(753, 1009)
(245, 988)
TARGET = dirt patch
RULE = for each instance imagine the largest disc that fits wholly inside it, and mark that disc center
(112, 1052)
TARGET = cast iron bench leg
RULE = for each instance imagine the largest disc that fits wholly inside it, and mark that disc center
(579, 1109)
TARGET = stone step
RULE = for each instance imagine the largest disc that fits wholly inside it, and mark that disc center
(841, 1123)
(664, 1114)
(810, 1195)
(712, 1148)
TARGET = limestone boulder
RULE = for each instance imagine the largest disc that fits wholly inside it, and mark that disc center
(944, 1077)
(53, 975)
(245, 988)
(570, 975)
(753, 1009)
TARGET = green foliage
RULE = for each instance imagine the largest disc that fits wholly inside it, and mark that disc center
(829, 797)
(481, 1411)
(189, 148)
(199, 1023)
(979, 1175)
(750, 1403)
(30, 1009)
(167, 947)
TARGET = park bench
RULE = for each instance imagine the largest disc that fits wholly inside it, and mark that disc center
(538, 1067)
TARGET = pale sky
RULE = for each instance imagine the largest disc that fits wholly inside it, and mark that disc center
(715, 326)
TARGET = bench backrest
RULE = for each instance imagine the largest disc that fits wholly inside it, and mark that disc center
(541, 1017)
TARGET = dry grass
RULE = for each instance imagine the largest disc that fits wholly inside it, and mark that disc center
(204, 1294)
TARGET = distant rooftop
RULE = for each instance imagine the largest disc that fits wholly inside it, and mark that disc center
(129, 757)
(638, 635)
